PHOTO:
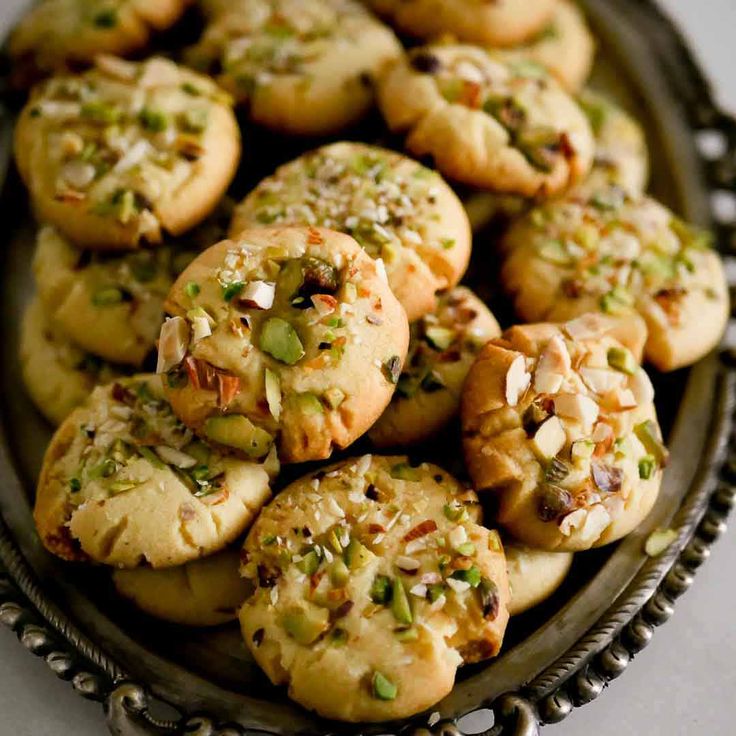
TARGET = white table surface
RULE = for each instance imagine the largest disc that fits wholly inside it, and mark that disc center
(683, 684)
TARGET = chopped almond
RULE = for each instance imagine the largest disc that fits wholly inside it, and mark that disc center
(172, 344)
(257, 295)
(577, 407)
(517, 380)
(550, 438)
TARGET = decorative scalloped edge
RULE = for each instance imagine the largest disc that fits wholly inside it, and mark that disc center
(573, 680)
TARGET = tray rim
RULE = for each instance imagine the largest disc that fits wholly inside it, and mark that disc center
(572, 680)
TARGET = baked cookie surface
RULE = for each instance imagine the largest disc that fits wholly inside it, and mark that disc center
(534, 575)
(559, 421)
(375, 577)
(206, 592)
(564, 46)
(110, 305)
(124, 483)
(397, 209)
(621, 153)
(605, 251)
(304, 67)
(126, 152)
(286, 335)
(58, 375)
(442, 347)
(496, 23)
(57, 35)
(504, 126)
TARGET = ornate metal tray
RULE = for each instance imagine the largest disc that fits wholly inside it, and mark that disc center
(156, 679)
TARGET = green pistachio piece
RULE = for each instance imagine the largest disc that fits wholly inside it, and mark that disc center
(154, 120)
(357, 555)
(334, 542)
(191, 289)
(273, 393)
(554, 251)
(467, 549)
(279, 339)
(440, 337)
(471, 576)
(383, 688)
(404, 634)
(338, 637)
(309, 404)
(647, 467)
(334, 397)
(101, 112)
(309, 563)
(400, 606)
(616, 300)
(622, 360)
(108, 297)
(648, 435)
(392, 369)
(230, 291)
(381, 590)
(305, 625)
(435, 591)
(148, 454)
(404, 471)
(339, 573)
(105, 18)
(235, 430)
(75, 485)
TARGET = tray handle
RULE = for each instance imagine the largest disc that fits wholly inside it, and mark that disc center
(126, 713)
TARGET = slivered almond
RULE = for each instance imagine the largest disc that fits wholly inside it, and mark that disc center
(257, 295)
(577, 407)
(550, 438)
(555, 358)
(173, 342)
(586, 327)
(602, 380)
(517, 380)
(641, 387)
(421, 530)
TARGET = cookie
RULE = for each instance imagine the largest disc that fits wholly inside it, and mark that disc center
(503, 126)
(605, 251)
(285, 335)
(303, 67)
(534, 575)
(621, 153)
(564, 46)
(126, 152)
(483, 207)
(110, 305)
(559, 423)
(124, 483)
(504, 23)
(442, 347)
(56, 36)
(206, 592)
(58, 375)
(397, 209)
(374, 582)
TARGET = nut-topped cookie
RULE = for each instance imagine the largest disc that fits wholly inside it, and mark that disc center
(605, 251)
(206, 592)
(505, 23)
(110, 305)
(559, 422)
(56, 36)
(126, 152)
(564, 46)
(534, 575)
(504, 126)
(285, 335)
(621, 153)
(397, 209)
(304, 67)
(58, 375)
(375, 577)
(125, 483)
(442, 347)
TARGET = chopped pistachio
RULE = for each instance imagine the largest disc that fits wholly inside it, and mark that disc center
(305, 625)
(622, 360)
(404, 471)
(648, 435)
(101, 112)
(280, 340)
(334, 397)
(489, 598)
(309, 404)
(383, 688)
(107, 18)
(658, 541)
(154, 120)
(471, 576)
(466, 549)
(357, 555)
(309, 563)
(75, 485)
(647, 467)
(392, 369)
(230, 291)
(454, 512)
(381, 589)
(435, 591)
(191, 289)
(406, 634)
(440, 337)
(236, 430)
(338, 637)
(108, 296)
(339, 573)
(273, 393)
(400, 606)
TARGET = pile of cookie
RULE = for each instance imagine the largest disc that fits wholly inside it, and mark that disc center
(326, 308)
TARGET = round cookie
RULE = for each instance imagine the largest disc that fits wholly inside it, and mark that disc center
(206, 592)
(534, 575)
(57, 35)
(285, 335)
(484, 208)
(565, 46)
(374, 582)
(504, 126)
(304, 67)
(58, 375)
(397, 209)
(442, 347)
(621, 153)
(605, 251)
(124, 483)
(126, 152)
(559, 421)
(504, 23)
(110, 305)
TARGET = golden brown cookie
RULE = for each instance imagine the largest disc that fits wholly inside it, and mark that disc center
(559, 422)
(206, 592)
(397, 209)
(124, 483)
(504, 126)
(442, 348)
(304, 67)
(285, 335)
(605, 251)
(118, 156)
(534, 575)
(374, 582)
